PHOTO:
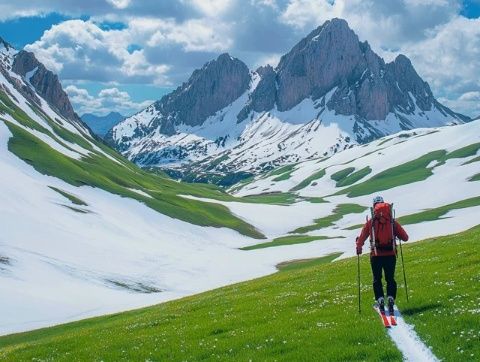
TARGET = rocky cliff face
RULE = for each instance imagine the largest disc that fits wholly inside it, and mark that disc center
(208, 90)
(327, 93)
(333, 57)
(44, 81)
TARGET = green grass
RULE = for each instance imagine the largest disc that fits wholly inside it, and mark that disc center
(275, 198)
(75, 200)
(475, 159)
(283, 173)
(286, 240)
(315, 200)
(76, 209)
(475, 177)
(467, 151)
(283, 177)
(293, 315)
(354, 227)
(324, 222)
(437, 213)
(340, 175)
(99, 171)
(315, 176)
(406, 173)
(354, 177)
(430, 214)
(306, 263)
(409, 172)
(444, 284)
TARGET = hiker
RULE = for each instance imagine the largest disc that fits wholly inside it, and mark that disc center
(383, 250)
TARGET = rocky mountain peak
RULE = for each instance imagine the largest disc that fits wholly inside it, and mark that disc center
(5, 44)
(44, 81)
(209, 89)
(325, 58)
(340, 78)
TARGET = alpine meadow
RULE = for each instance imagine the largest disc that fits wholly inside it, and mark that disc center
(282, 180)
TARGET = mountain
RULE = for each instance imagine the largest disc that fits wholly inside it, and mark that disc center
(100, 125)
(329, 92)
(84, 231)
(43, 81)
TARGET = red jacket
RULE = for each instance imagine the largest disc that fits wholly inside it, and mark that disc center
(399, 232)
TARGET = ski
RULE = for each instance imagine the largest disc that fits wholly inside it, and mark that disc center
(393, 321)
(383, 316)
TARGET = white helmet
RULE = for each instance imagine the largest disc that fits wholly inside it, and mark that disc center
(377, 199)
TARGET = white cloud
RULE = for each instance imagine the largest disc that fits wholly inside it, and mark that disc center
(192, 35)
(470, 97)
(384, 24)
(119, 4)
(468, 102)
(450, 60)
(171, 38)
(80, 49)
(310, 13)
(268, 59)
(211, 8)
(108, 100)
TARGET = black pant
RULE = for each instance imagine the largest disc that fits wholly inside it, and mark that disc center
(387, 263)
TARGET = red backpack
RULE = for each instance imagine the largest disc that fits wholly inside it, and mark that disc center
(382, 225)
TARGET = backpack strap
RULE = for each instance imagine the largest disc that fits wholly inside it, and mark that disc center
(394, 237)
(373, 242)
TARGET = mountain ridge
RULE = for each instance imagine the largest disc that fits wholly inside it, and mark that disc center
(100, 125)
(329, 79)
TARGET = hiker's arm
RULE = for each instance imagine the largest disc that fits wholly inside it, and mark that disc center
(364, 234)
(400, 232)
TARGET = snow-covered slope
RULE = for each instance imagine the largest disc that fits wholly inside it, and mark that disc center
(325, 96)
(83, 232)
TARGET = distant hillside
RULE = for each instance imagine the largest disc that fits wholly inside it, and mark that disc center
(100, 125)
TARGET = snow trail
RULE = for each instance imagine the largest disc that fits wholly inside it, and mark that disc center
(408, 342)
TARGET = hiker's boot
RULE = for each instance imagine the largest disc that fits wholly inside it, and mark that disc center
(391, 303)
(381, 304)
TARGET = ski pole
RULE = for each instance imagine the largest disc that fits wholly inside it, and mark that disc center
(358, 278)
(358, 274)
(403, 268)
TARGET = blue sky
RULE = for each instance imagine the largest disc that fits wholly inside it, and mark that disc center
(123, 54)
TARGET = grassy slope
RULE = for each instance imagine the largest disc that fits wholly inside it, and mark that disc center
(315, 176)
(475, 177)
(431, 214)
(409, 172)
(340, 175)
(97, 170)
(438, 212)
(444, 281)
(275, 198)
(323, 222)
(286, 240)
(354, 177)
(293, 315)
(306, 263)
(73, 199)
(282, 173)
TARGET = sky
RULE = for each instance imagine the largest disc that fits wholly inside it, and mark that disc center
(121, 55)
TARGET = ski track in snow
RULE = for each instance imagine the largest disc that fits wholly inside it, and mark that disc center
(408, 342)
